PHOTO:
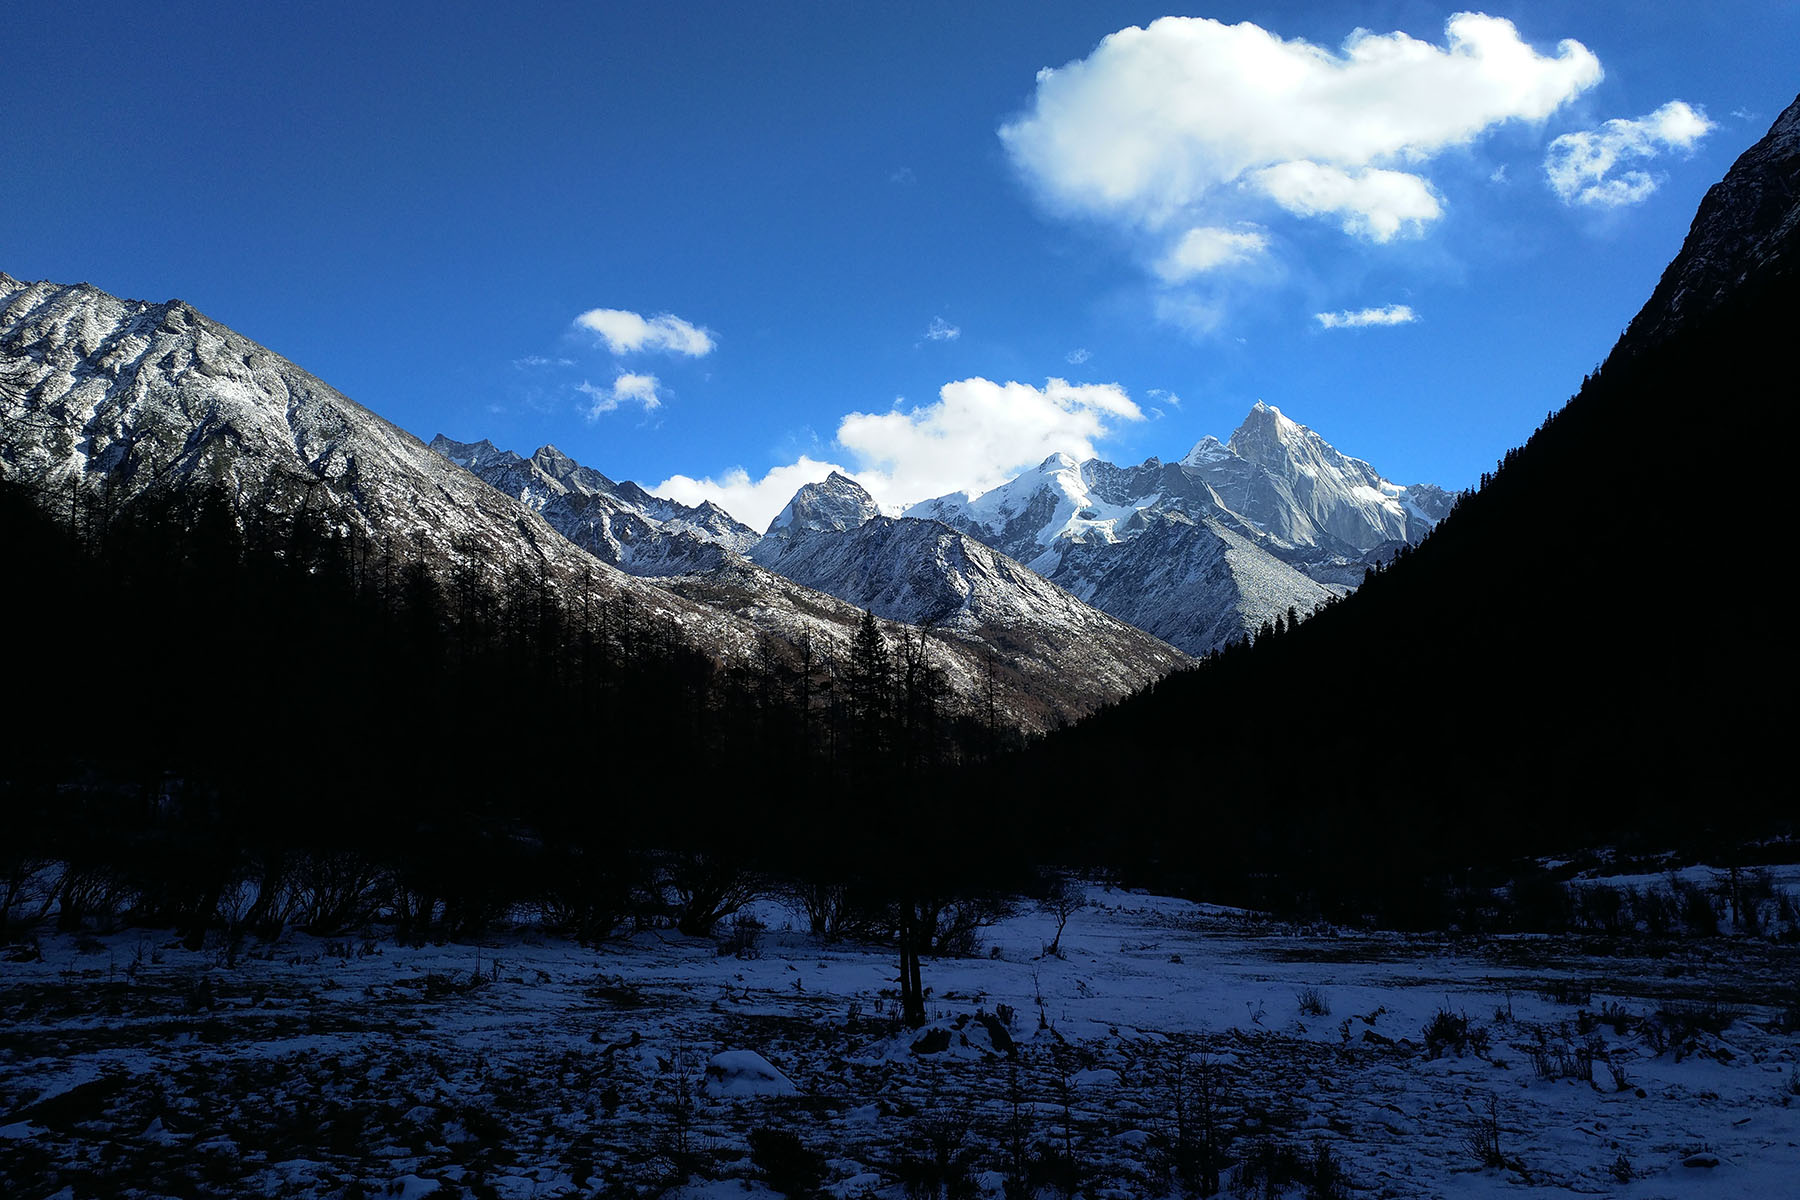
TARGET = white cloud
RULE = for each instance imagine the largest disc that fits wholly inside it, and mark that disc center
(626, 386)
(1190, 122)
(626, 332)
(1585, 167)
(1207, 248)
(1077, 356)
(977, 435)
(1188, 311)
(1362, 318)
(1374, 204)
(942, 331)
(533, 362)
(755, 502)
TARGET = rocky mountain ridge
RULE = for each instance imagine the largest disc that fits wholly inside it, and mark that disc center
(1205, 550)
(114, 396)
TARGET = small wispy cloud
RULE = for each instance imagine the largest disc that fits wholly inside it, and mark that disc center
(1208, 248)
(942, 331)
(1589, 167)
(902, 176)
(1165, 397)
(537, 362)
(1362, 318)
(626, 387)
(1077, 356)
(626, 332)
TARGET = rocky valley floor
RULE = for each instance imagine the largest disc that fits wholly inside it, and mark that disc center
(1324, 1063)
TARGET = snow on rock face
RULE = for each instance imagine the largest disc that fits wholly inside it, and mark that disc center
(618, 523)
(926, 573)
(1300, 490)
(740, 1074)
(834, 504)
(1202, 551)
(970, 1036)
(102, 391)
(1198, 585)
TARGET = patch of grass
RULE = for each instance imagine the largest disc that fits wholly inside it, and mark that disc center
(1565, 1059)
(1448, 1031)
(1686, 1020)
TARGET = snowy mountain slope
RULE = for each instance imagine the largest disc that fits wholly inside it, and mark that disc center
(1233, 535)
(1193, 583)
(1051, 664)
(925, 573)
(98, 392)
(1747, 224)
(620, 524)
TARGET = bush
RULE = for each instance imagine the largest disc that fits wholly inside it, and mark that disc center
(1697, 912)
(1313, 1003)
(1483, 1137)
(785, 1163)
(742, 936)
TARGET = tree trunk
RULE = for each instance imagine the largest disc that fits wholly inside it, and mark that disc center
(912, 994)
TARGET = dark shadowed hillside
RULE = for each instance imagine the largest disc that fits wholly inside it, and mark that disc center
(1631, 679)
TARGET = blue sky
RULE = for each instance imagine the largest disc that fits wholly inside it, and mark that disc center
(420, 203)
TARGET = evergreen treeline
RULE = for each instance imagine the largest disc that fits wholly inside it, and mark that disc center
(202, 696)
(1593, 648)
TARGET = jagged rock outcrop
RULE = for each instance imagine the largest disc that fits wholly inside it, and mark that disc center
(618, 523)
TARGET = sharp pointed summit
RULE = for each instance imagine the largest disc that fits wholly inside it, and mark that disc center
(1203, 551)
(835, 503)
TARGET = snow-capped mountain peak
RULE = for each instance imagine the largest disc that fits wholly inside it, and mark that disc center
(1202, 550)
(1207, 450)
(836, 503)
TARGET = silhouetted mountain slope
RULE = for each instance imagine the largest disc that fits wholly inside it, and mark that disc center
(1629, 678)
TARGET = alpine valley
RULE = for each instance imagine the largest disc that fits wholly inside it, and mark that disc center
(441, 821)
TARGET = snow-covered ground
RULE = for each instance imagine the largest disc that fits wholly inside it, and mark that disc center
(524, 1067)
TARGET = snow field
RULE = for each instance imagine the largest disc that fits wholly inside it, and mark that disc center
(533, 1067)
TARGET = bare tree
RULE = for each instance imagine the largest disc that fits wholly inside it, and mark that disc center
(1061, 901)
